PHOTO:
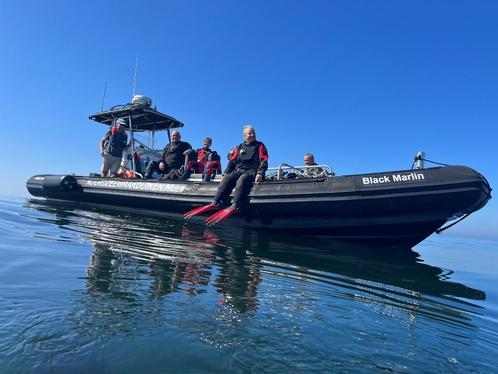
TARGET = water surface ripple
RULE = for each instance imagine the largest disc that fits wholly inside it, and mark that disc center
(90, 288)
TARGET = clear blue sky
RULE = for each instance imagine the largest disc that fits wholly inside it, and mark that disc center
(363, 85)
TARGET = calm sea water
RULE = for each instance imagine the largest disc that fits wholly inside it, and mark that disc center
(89, 289)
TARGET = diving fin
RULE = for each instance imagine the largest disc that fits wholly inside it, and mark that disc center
(220, 216)
(200, 210)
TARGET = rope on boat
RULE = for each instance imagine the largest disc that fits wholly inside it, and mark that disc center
(441, 229)
(418, 158)
(434, 162)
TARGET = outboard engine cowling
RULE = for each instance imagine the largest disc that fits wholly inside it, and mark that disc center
(60, 183)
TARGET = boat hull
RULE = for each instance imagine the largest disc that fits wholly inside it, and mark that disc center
(393, 207)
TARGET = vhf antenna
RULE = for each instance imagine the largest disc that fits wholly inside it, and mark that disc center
(103, 97)
(135, 75)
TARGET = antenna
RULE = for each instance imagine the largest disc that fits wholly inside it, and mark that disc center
(135, 76)
(103, 97)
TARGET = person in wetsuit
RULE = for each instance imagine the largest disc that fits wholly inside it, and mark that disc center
(172, 158)
(111, 148)
(247, 164)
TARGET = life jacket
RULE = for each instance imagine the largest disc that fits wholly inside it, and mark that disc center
(116, 143)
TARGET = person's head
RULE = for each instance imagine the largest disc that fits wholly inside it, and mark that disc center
(207, 142)
(120, 125)
(249, 134)
(309, 159)
(175, 136)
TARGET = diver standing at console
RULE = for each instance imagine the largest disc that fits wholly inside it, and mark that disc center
(247, 164)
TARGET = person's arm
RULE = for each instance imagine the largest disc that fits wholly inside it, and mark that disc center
(103, 142)
(263, 166)
(232, 162)
(163, 152)
(186, 149)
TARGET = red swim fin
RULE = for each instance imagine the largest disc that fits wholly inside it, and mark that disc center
(200, 210)
(220, 216)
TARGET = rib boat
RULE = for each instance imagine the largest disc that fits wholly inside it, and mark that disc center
(393, 207)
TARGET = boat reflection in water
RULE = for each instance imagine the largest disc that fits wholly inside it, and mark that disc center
(136, 255)
(187, 264)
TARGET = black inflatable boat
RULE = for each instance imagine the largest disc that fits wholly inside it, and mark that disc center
(393, 207)
(401, 207)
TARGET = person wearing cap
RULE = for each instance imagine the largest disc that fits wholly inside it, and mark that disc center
(112, 146)
(172, 158)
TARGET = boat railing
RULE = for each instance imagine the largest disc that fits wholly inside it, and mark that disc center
(287, 171)
(283, 171)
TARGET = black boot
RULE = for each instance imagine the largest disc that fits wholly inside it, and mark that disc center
(186, 174)
(151, 167)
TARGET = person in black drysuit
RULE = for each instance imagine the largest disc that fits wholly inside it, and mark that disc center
(172, 158)
(247, 164)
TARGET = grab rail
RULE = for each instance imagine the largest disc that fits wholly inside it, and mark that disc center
(302, 169)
